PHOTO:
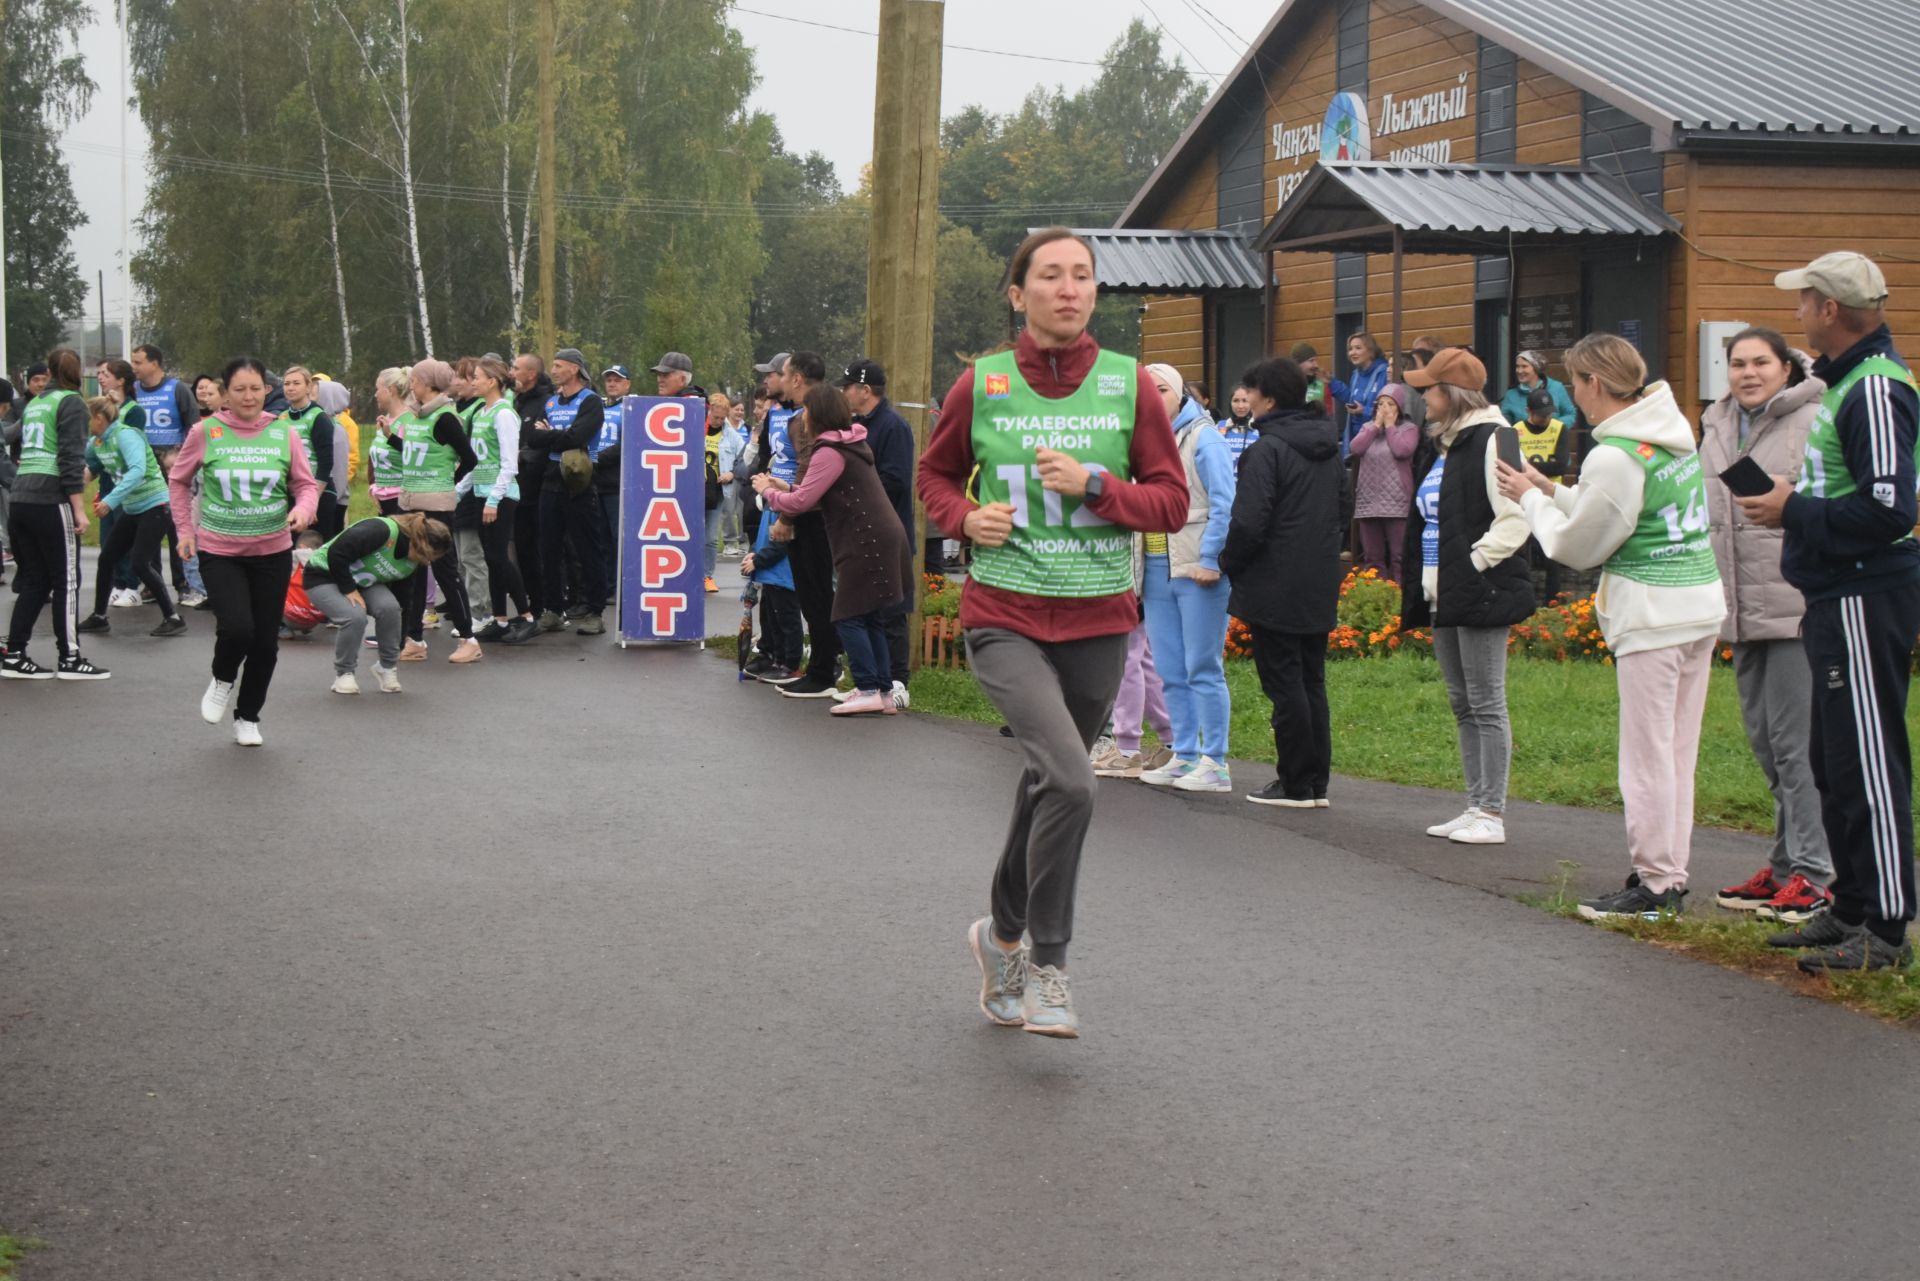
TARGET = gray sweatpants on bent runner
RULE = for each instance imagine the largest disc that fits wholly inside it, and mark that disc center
(1055, 696)
(381, 603)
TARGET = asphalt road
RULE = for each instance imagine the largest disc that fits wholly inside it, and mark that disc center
(583, 963)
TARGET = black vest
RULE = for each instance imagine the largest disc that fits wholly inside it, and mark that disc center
(1466, 597)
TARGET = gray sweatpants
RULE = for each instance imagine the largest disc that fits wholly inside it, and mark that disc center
(473, 572)
(347, 642)
(1776, 703)
(1473, 661)
(1055, 696)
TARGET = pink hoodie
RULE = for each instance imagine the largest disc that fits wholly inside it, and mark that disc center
(186, 467)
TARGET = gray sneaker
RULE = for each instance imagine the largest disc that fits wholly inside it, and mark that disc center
(1046, 1007)
(1003, 974)
(1862, 949)
(1824, 930)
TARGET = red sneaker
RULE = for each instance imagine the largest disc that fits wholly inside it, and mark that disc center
(1755, 894)
(1798, 900)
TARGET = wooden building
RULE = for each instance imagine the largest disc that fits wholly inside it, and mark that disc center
(1547, 167)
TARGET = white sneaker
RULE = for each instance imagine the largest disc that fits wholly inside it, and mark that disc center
(1453, 825)
(900, 696)
(842, 695)
(247, 733)
(389, 678)
(1104, 748)
(213, 703)
(1170, 773)
(1208, 775)
(1486, 829)
(124, 598)
(346, 683)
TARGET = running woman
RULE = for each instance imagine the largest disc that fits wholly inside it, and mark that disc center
(1050, 599)
(390, 391)
(256, 490)
(47, 516)
(138, 493)
(494, 486)
(355, 575)
(434, 454)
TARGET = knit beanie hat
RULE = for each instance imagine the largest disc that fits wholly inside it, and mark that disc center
(1302, 351)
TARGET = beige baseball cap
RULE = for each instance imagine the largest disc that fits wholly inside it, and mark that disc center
(1850, 279)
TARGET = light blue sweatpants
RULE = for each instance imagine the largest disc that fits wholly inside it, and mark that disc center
(1187, 627)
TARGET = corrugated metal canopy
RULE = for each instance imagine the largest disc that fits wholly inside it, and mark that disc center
(1170, 262)
(1456, 209)
(1778, 66)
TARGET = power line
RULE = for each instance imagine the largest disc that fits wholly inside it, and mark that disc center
(1168, 32)
(1228, 36)
(967, 48)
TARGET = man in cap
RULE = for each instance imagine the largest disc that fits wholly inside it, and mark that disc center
(1849, 549)
(1318, 393)
(569, 513)
(618, 383)
(891, 440)
(672, 375)
(531, 388)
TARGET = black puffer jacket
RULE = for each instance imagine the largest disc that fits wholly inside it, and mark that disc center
(1498, 596)
(1283, 543)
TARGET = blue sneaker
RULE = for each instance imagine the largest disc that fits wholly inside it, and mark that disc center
(1003, 974)
(1169, 774)
(1207, 775)
(1046, 1007)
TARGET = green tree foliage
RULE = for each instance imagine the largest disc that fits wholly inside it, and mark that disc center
(43, 88)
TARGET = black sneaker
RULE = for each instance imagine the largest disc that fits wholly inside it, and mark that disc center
(94, 623)
(520, 631)
(775, 674)
(1824, 930)
(75, 667)
(591, 625)
(1275, 793)
(808, 687)
(175, 626)
(575, 613)
(1634, 899)
(1861, 950)
(756, 665)
(493, 631)
(18, 667)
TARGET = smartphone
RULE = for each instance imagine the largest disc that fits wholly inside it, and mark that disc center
(1747, 479)
(1506, 445)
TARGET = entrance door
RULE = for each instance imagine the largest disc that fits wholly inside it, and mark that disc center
(1626, 294)
(1237, 341)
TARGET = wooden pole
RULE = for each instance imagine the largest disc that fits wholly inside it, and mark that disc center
(1393, 361)
(906, 226)
(549, 208)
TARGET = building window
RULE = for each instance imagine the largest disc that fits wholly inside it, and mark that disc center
(1242, 187)
(1494, 121)
(1350, 73)
(1613, 141)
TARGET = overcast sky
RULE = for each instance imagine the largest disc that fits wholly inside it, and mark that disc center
(835, 118)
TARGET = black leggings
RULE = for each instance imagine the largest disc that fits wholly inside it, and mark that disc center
(503, 576)
(453, 590)
(248, 595)
(142, 534)
(47, 553)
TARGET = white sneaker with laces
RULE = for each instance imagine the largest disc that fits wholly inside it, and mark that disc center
(1169, 774)
(900, 696)
(842, 695)
(124, 598)
(346, 683)
(247, 733)
(1486, 829)
(1208, 775)
(1453, 825)
(213, 703)
(389, 678)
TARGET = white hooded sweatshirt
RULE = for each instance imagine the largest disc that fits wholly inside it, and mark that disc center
(1583, 525)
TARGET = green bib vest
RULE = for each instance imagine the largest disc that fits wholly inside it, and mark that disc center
(382, 565)
(39, 437)
(1826, 474)
(486, 446)
(1669, 546)
(152, 486)
(1058, 546)
(243, 483)
(426, 465)
(302, 424)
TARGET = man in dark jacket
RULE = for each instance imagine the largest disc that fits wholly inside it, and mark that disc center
(570, 420)
(531, 387)
(891, 440)
(1283, 559)
(1850, 549)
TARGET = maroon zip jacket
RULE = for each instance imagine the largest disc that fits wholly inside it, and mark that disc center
(1154, 501)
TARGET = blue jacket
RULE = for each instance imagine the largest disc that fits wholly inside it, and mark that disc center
(1364, 388)
(770, 564)
(1864, 540)
(1514, 403)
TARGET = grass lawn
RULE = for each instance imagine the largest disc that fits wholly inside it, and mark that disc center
(12, 1250)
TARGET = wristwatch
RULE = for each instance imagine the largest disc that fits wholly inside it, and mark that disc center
(1096, 484)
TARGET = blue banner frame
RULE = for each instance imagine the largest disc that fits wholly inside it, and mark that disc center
(663, 519)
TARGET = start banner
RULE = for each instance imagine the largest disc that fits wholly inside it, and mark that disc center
(663, 488)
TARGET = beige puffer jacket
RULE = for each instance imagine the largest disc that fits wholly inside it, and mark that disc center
(1761, 605)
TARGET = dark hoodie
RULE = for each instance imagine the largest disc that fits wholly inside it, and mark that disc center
(531, 406)
(1283, 543)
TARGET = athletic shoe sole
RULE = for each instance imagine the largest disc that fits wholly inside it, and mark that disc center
(1053, 1030)
(1791, 915)
(821, 693)
(1756, 905)
(1594, 914)
(42, 675)
(973, 943)
(1284, 802)
(82, 676)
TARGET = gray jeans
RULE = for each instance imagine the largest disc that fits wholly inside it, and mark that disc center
(1055, 697)
(1473, 661)
(347, 642)
(1776, 703)
(473, 572)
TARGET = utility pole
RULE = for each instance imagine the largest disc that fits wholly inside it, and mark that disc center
(906, 225)
(6, 370)
(549, 208)
(126, 242)
(103, 317)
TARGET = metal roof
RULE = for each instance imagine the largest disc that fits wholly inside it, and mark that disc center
(1725, 72)
(1457, 209)
(1174, 262)
(1773, 66)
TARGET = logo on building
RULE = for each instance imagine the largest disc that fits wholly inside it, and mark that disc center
(999, 387)
(1344, 136)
